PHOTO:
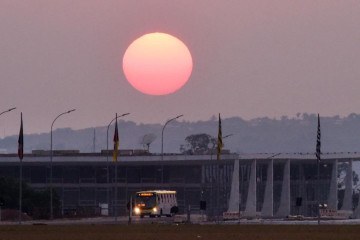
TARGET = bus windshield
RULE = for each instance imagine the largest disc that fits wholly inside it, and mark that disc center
(145, 201)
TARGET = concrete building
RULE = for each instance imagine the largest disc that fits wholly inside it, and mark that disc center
(266, 185)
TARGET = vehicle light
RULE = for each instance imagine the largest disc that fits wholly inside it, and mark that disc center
(137, 210)
(154, 209)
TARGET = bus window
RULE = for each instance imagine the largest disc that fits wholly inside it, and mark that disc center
(145, 201)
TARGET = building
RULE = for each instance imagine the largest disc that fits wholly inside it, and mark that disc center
(264, 185)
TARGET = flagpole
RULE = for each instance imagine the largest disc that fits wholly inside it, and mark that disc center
(318, 157)
(318, 190)
(218, 157)
(21, 155)
(115, 204)
(115, 159)
(20, 192)
(107, 160)
(115, 153)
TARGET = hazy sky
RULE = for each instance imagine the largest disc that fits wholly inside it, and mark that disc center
(251, 59)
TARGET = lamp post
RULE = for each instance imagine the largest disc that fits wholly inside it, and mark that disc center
(229, 135)
(107, 158)
(162, 134)
(162, 145)
(51, 160)
(9, 110)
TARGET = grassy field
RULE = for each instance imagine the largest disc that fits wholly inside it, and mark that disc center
(178, 232)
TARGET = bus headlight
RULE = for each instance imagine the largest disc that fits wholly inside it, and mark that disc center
(137, 210)
(154, 209)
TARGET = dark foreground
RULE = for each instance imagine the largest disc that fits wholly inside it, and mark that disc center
(179, 232)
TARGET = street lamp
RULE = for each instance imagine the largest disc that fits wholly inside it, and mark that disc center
(51, 157)
(162, 135)
(8, 110)
(162, 145)
(229, 135)
(107, 156)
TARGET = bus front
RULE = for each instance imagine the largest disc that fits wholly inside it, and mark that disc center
(145, 204)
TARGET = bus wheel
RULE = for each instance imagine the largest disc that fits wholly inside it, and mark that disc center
(142, 216)
(152, 216)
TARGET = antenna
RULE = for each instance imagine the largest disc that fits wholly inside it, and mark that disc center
(147, 139)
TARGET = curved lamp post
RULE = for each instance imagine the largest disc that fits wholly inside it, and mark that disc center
(8, 110)
(20, 180)
(51, 157)
(162, 145)
(107, 157)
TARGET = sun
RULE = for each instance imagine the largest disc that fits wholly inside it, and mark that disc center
(157, 64)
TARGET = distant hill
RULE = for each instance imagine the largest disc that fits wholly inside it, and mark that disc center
(296, 134)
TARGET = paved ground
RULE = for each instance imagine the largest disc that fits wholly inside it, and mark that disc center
(196, 219)
(210, 231)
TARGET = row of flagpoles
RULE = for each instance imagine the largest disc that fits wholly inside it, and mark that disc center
(21, 156)
(220, 145)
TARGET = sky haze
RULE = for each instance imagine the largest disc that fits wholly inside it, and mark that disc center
(251, 59)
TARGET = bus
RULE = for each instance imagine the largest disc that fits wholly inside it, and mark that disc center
(155, 203)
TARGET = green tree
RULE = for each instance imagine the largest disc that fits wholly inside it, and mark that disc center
(35, 203)
(198, 144)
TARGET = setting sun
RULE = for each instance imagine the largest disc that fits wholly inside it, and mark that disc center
(157, 64)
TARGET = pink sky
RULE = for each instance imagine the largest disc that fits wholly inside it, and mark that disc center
(251, 59)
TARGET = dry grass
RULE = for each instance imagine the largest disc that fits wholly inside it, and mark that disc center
(179, 232)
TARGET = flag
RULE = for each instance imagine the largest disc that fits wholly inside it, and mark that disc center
(21, 141)
(116, 142)
(219, 140)
(318, 141)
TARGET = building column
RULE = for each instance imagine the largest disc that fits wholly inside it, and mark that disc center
(284, 209)
(268, 205)
(250, 208)
(203, 174)
(347, 202)
(234, 199)
(333, 191)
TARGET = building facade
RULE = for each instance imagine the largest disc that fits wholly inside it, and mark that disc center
(262, 185)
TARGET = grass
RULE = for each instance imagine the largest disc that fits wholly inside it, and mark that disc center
(178, 232)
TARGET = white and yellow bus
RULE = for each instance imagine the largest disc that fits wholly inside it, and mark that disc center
(155, 203)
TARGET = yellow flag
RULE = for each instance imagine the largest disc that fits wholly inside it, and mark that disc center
(116, 142)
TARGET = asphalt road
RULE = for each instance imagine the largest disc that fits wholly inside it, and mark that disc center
(197, 219)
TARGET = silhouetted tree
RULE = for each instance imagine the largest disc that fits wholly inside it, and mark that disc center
(198, 144)
(35, 203)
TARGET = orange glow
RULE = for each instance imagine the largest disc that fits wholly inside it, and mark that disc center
(146, 194)
(157, 64)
